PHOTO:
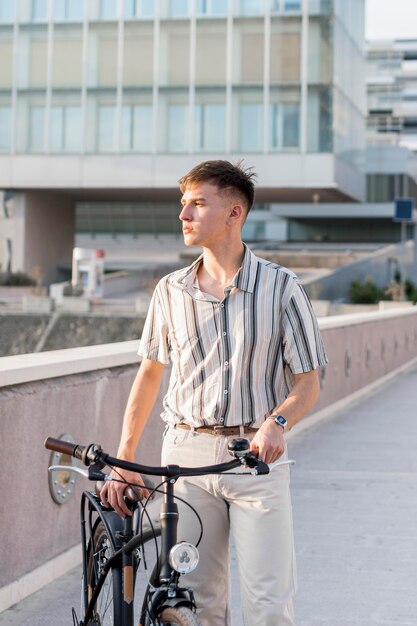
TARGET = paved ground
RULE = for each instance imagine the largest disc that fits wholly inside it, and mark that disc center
(355, 510)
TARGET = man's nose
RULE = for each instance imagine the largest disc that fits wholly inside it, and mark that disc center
(185, 213)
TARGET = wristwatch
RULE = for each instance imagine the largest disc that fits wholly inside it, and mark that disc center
(280, 420)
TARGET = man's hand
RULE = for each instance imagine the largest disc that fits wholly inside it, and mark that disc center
(112, 493)
(269, 442)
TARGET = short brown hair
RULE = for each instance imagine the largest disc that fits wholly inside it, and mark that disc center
(225, 176)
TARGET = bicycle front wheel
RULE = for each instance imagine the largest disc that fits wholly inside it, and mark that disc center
(178, 616)
(107, 611)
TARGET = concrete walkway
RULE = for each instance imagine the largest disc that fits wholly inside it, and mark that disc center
(355, 512)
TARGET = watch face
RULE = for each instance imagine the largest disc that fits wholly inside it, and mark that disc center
(281, 420)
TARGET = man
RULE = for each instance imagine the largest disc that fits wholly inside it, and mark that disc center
(245, 348)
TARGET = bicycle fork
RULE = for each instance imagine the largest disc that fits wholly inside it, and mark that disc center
(128, 576)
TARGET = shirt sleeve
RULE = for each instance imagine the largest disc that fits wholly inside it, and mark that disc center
(302, 343)
(154, 344)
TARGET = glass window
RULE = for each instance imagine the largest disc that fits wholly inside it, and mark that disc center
(249, 7)
(136, 131)
(36, 128)
(65, 129)
(211, 39)
(285, 125)
(252, 58)
(278, 6)
(130, 8)
(175, 53)
(7, 11)
(6, 60)
(174, 8)
(67, 57)
(139, 8)
(285, 51)
(209, 127)
(66, 10)
(319, 120)
(248, 56)
(5, 128)
(177, 128)
(102, 57)
(320, 55)
(179, 8)
(38, 60)
(60, 10)
(108, 9)
(320, 6)
(105, 128)
(292, 5)
(291, 125)
(39, 10)
(138, 63)
(212, 7)
(251, 127)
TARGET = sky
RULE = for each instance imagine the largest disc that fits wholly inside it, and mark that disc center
(391, 19)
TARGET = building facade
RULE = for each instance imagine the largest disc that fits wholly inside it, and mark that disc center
(104, 104)
(392, 93)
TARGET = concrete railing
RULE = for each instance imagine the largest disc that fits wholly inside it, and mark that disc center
(83, 391)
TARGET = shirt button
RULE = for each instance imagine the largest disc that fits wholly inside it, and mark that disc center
(222, 305)
(224, 333)
(221, 420)
(226, 363)
(225, 392)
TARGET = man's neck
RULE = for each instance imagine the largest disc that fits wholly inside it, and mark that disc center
(218, 268)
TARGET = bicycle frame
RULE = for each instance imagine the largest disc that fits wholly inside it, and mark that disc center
(125, 543)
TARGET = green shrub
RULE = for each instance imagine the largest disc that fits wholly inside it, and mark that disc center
(411, 291)
(16, 279)
(70, 290)
(366, 293)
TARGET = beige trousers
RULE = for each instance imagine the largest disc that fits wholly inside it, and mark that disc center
(256, 511)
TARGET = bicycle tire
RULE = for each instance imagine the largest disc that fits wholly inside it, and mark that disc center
(178, 616)
(107, 611)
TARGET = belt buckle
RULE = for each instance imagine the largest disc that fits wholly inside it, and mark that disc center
(218, 430)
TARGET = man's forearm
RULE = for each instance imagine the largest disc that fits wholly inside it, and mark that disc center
(141, 400)
(302, 398)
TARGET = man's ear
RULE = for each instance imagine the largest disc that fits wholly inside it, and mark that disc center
(235, 212)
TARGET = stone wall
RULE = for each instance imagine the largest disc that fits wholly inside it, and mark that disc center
(22, 333)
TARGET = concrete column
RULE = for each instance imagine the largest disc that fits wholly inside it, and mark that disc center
(42, 233)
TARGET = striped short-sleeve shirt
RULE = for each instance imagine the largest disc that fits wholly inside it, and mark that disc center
(233, 360)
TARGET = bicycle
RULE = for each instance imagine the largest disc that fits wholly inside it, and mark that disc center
(113, 547)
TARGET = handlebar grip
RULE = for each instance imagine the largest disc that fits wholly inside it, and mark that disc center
(58, 445)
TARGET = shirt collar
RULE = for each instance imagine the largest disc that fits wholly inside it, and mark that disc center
(244, 279)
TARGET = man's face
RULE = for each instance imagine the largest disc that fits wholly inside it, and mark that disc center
(205, 215)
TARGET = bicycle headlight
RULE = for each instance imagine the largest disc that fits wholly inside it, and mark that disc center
(183, 557)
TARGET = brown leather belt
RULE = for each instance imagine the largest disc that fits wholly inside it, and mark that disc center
(219, 431)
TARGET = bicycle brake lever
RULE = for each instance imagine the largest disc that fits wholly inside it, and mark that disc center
(91, 473)
(258, 466)
(278, 463)
(68, 468)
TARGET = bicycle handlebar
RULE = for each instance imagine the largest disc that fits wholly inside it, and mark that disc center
(58, 445)
(93, 453)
